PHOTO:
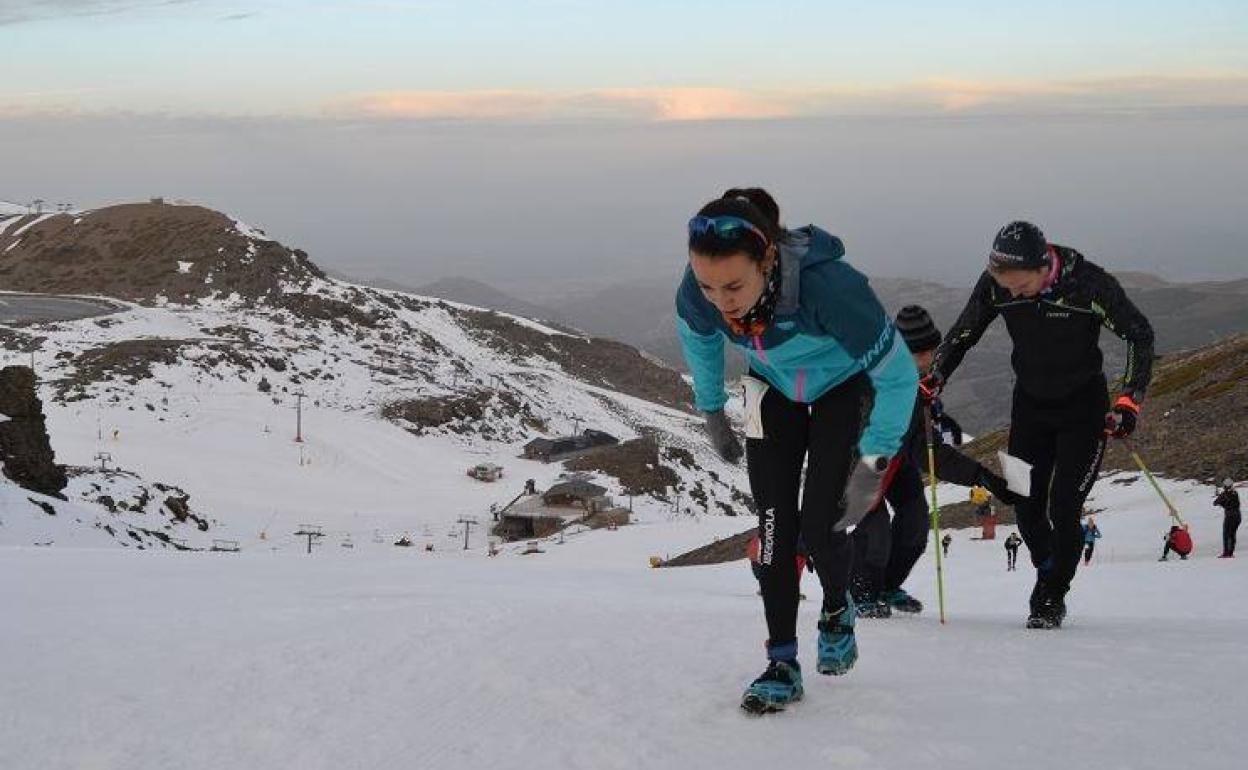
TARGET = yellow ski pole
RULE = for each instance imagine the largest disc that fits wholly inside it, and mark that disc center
(1174, 512)
(934, 511)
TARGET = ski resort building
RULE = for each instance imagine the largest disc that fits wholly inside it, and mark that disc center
(561, 447)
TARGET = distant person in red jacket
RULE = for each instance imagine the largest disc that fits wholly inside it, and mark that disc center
(1178, 540)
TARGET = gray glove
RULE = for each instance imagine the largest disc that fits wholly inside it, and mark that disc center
(722, 438)
(864, 490)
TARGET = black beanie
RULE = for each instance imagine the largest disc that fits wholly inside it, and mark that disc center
(917, 329)
(1019, 246)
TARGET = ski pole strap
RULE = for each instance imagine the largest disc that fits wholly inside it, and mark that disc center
(1174, 512)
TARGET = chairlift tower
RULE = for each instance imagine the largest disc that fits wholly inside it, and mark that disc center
(299, 397)
(469, 522)
(312, 532)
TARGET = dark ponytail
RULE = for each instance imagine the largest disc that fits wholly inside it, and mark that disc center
(753, 204)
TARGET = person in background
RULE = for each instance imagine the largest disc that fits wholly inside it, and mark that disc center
(884, 553)
(945, 542)
(1011, 551)
(1091, 533)
(1228, 501)
(1177, 540)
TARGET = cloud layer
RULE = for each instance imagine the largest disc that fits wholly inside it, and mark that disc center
(682, 104)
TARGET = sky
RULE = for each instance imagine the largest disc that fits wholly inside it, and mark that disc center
(565, 141)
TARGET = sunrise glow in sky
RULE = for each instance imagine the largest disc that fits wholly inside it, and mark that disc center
(495, 60)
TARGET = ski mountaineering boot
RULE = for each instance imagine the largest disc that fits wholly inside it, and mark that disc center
(838, 649)
(898, 599)
(779, 685)
(1048, 607)
(868, 599)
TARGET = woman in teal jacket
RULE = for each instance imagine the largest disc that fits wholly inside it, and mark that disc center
(830, 387)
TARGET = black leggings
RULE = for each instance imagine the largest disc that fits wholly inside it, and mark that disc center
(1229, 526)
(884, 553)
(824, 435)
(1064, 440)
(872, 541)
(911, 522)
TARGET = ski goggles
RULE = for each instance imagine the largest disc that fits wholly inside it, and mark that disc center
(726, 228)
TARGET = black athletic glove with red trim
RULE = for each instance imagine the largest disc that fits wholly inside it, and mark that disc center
(1123, 417)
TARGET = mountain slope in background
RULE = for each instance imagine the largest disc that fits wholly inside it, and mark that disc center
(231, 338)
(1193, 423)
(642, 313)
(472, 292)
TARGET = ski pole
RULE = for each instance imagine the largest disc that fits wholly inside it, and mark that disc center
(1174, 512)
(934, 511)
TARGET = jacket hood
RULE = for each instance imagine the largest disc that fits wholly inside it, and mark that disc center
(804, 248)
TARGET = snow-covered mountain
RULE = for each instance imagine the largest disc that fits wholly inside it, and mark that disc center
(227, 344)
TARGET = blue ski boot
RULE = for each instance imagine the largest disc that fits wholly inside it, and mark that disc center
(777, 687)
(901, 601)
(838, 649)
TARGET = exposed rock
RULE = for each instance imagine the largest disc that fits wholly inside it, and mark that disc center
(635, 463)
(144, 251)
(25, 449)
(493, 414)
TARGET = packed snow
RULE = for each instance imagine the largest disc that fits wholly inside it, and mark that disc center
(584, 657)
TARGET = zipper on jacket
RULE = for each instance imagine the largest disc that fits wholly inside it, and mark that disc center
(758, 346)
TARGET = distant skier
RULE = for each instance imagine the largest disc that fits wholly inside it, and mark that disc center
(1054, 303)
(884, 555)
(1228, 501)
(945, 542)
(1091, 533)
(828, 387)
(1178, 540)
(1011, 551)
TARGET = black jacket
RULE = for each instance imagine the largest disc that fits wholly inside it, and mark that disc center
(1056, 334)
(1228, 499)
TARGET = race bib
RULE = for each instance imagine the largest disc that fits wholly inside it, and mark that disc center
(755, 389)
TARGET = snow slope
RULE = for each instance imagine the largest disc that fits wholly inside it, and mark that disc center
(582, 657)
(204, 396)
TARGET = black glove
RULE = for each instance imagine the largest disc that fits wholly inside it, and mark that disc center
(864, 490)
(1122, 418)
(722, 438)
(999, 488)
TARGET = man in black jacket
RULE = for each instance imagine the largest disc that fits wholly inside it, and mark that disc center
(1054, 303)
(884, 555)
(1228, 501)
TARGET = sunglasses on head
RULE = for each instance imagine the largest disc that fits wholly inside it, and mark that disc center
(726, 228)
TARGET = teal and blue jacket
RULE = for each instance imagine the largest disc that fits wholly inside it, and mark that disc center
(828, 326)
